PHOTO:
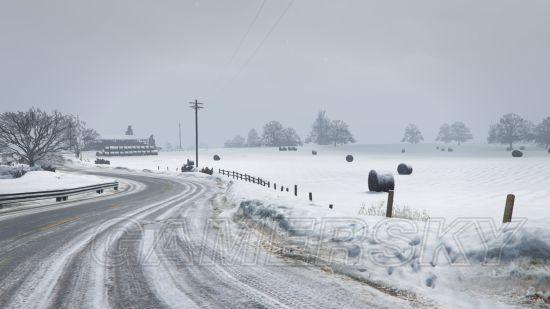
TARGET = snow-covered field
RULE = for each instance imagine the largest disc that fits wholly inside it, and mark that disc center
(462, 257)
(471, 181)
(35, 181)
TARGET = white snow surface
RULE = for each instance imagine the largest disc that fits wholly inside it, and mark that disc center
(463, 256)
(471, 181)
(36, 181)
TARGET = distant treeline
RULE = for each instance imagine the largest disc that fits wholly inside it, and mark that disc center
(323, 132)
(511, 128)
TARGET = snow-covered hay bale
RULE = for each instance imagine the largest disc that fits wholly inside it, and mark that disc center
(404, 169)
(314, 152)
(349, 158)
(517, 154)
(283, 149)
(381, 182)
(216, 158)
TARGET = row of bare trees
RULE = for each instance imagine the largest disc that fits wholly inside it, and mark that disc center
(510, 129)
(324, 131)
(273, 135)
(36, 136)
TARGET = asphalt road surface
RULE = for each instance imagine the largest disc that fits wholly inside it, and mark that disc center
(144, 247)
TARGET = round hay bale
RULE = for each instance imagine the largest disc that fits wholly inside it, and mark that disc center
(450, 149)
(314, 152)
(517, 154)
(442, 149)
(403, 150)
(380, 182)
(216, 158)
(404, 169)
(349, 158)
(437, 147)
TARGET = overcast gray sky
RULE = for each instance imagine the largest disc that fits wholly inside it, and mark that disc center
(376, 64)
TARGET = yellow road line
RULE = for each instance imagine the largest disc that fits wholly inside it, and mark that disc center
(58, 223)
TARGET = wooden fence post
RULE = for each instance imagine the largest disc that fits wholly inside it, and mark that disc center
(330, 206)
(295, 190)
(509, 208)
(389, 208)
(275, 185)
(269, 184)
(310, 196)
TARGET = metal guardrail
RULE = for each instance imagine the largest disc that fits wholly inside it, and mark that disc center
(59, 195)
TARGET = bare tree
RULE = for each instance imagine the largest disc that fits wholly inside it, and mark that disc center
(33, 135)
(254, 139)
(510, 129)
(273, 134)
(339, 133)
(78, 136)
(460, 133)
(320, 130)
(542, 133)
(237, 142)
(290, 138)
(412, 135)
(444, 134)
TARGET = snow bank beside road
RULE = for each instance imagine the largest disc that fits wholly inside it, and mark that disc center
(461, 263)
(35, 181)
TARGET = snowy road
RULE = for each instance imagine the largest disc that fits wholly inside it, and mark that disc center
(114, 252)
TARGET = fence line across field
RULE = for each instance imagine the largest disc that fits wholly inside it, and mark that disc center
(509, 206)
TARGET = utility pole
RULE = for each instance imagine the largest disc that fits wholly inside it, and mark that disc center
(196, 105)
(180, 135)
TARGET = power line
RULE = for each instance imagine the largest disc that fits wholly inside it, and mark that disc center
(250, 26)
(268, 34)
(257, 49)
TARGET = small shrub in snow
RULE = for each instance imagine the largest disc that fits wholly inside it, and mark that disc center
(16, 171)
(314, 152)
(48, 168)
(404, 212)
(207, 170)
